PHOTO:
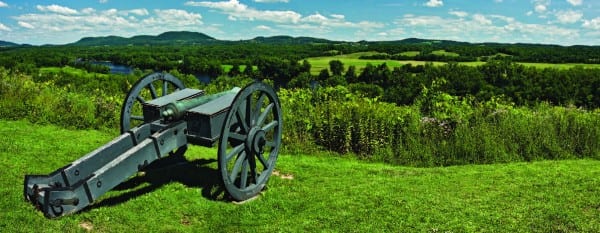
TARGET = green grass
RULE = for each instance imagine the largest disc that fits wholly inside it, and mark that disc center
(320, 63)
(227, 68)
(445, 53)
(70, 70)
(410, 53)
(326, 194)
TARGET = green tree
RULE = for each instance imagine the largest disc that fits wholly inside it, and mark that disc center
(323, 75)
(351, 75)
(234, 71)
(336, 67)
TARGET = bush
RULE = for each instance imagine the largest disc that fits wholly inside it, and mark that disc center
(45, 103)
(453, 130)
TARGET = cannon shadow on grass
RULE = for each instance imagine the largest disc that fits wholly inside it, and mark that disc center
(174, 168)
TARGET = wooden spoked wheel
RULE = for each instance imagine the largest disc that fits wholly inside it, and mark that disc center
(250, 141)
(147, 88)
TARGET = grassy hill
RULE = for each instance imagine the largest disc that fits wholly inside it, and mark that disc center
(7, 44)
(167, 38)
(308, 193)
(191, 38)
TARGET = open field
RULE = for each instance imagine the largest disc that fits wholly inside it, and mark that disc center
(319, 63)
(309, 193)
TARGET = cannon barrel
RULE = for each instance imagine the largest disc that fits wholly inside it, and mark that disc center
(176, 110)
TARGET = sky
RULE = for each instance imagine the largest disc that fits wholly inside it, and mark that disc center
(563, 22)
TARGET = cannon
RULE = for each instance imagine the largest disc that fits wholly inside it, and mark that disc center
(159, 118)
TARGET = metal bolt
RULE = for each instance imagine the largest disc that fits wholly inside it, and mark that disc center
(162, 141)
(76, 172)
(99, 184)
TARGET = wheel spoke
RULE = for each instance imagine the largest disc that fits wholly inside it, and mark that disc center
(139, 118)
(249, 116)
(152, 91)
(270, 144)
(263, 115)
(139, 98)
(235, 151)
(270, 126)
(165, 87)
(244, 177)
(236, 167)
(262, 160)
(238, 136)
(253, 172)
(240, 119)
(252, 163)
(259, 103)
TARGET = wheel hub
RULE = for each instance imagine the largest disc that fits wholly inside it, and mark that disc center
(256, 140)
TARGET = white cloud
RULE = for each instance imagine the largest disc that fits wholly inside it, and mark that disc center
(237, 10)
(26, 25)
(140, 12)
(287, 19)
(57, 9)
(263, 28)
(4, 28)
(87, 11)
(315, 18)
(103, 1)
(484, 27)
(569, 16)
(498, 1)
(575, 2)
(173, 19)
(481, 19)
(338, 22)
(593, 24)
(3, 4)
(434, 3)
(336, 16)
(541, 6)
(506, 19)
(461, 14)
(271, 1)
(90, 22)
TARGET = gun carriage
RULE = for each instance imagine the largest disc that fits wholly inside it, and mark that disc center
(159, 118)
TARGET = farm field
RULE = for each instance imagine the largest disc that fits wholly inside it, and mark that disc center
(320, 63)
(308, 193)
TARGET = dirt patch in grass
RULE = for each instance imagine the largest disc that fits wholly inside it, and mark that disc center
(283, 176)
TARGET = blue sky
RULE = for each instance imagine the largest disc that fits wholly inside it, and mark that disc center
(564, 22)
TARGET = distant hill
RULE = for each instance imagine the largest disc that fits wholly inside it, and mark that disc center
(190, 38)
(7, 44)
(197, 38)
(167, 38)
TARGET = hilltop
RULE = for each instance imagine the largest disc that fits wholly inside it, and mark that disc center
(167, 38)
(7, 44)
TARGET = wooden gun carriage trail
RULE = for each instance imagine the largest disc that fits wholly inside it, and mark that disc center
(159, 118)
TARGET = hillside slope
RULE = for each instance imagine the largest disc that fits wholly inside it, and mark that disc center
(7, 44)
(309, 193)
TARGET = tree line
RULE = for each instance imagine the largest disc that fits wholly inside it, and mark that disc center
(284, 64)
(522, 85)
